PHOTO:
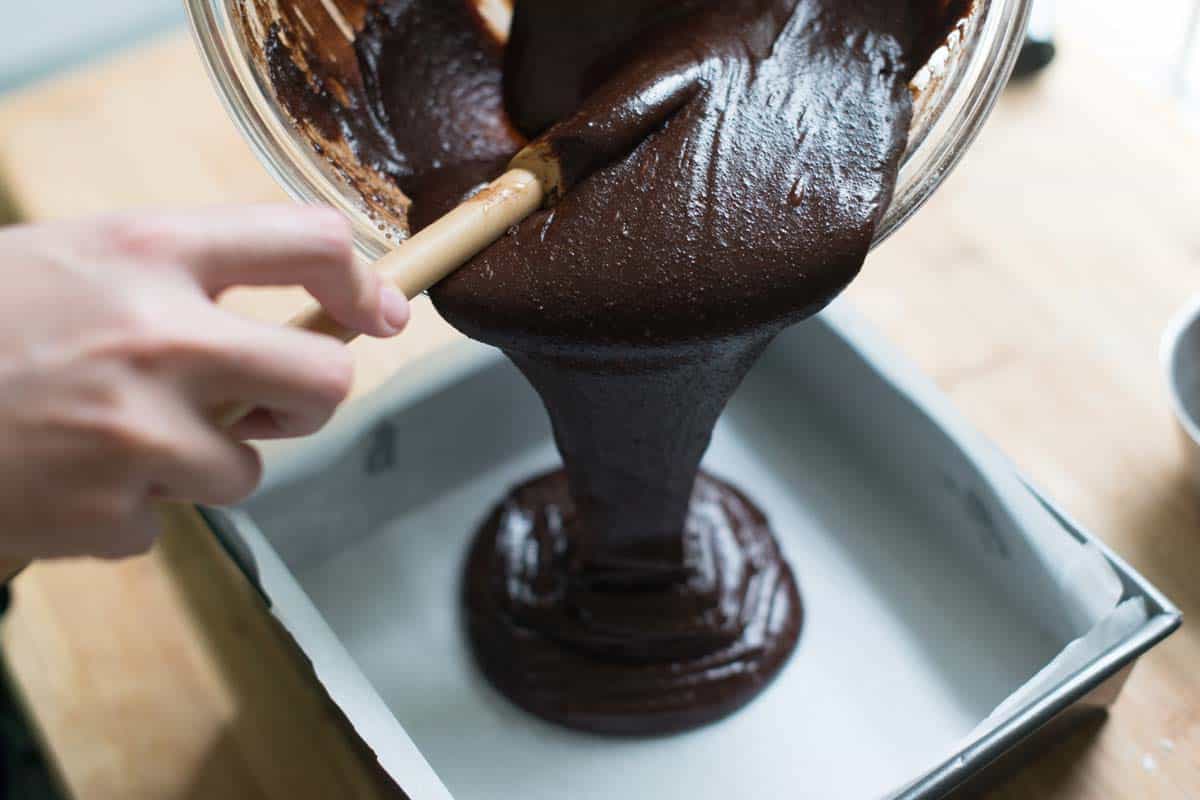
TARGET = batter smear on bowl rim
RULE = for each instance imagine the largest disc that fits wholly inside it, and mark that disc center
(734, 158)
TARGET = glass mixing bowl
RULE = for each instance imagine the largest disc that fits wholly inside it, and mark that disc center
(954, 94)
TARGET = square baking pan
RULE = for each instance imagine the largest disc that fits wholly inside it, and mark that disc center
(955, 619)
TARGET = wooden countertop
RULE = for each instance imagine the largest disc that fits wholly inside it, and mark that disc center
(1033, 288)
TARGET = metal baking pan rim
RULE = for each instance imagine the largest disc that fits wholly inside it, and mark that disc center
(1164, 619)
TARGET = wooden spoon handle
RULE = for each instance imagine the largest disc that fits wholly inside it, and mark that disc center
(433, 253)
(445, 245)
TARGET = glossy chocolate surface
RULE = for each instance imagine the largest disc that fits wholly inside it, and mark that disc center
(654, 658)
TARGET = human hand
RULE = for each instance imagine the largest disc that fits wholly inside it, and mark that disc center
(114, 360)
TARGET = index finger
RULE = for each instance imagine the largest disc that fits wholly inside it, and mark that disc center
(275, 245)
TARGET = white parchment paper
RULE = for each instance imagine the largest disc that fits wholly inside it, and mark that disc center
(939, 595)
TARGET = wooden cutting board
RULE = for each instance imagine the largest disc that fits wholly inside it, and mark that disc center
(1033, 288)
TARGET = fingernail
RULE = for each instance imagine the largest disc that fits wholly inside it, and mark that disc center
(395, 309)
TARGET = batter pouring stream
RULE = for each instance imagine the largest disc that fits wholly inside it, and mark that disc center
(739, 155)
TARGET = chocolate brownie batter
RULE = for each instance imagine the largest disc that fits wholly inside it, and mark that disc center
(729, 161)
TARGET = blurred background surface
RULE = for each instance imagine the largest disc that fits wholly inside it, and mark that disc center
(1156, 43)
(62, 34)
